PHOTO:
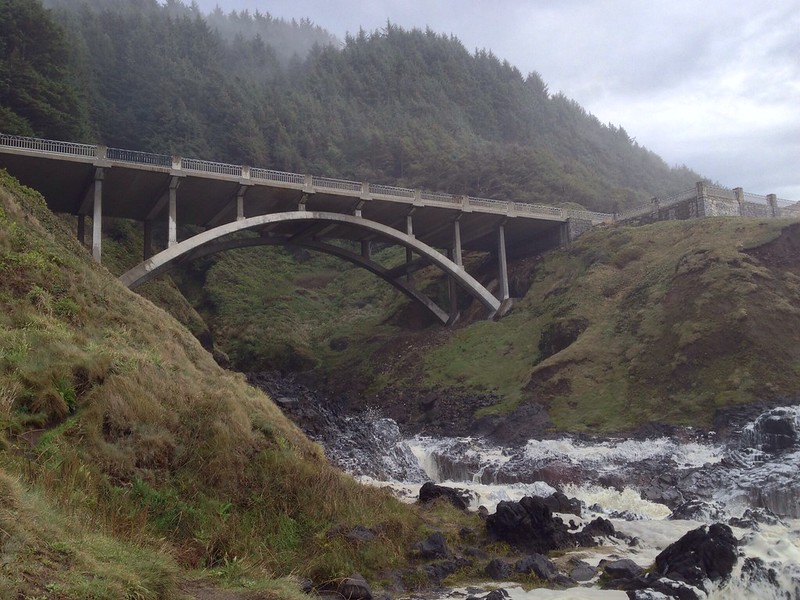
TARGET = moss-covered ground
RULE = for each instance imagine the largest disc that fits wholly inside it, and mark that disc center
(663, 322)
(130, 460)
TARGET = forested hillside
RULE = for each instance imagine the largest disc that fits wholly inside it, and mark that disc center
(413, 108)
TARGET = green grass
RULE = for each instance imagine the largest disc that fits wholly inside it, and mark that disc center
(152, 454)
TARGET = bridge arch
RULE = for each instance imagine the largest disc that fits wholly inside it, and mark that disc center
(210, 241)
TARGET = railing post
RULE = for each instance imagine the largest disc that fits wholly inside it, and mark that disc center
(702, 199)
(739, 194)
(176, 162)
(97, 215)
(101, 152)
(308, 184)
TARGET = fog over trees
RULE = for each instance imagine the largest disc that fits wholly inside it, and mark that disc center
(412, 108)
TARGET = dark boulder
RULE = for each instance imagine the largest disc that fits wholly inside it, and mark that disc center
(661, 589)
(773, 431)
(444, 568)
(621, 569)
(703, 553)
(354, 587)
(753, 516)
(600, 527)
(559, 502)
(434, 546)
(755, 570)
(698, 510)
(498, 569)
(498, 594)
(581, 570)
(539, 565)
(529, 525)
(430, 492)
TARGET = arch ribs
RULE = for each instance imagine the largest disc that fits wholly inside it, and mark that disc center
(210, 241)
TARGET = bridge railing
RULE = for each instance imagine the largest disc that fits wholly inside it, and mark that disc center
(755, 198)
(51, 146)
(139, 158)
(336, 184)
(277, 176)
(207, 166)
(490, 203)
(538, 209)
(721, 192)
(440, 198)
(588, 215)
(391, 191)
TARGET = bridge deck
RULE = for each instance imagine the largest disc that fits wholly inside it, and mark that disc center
(134, 182)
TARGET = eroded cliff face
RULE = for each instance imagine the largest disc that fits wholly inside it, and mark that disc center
(663, 323)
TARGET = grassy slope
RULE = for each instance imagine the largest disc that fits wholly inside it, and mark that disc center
(674, 320)
(128, 454)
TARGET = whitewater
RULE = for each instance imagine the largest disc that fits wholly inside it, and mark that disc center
(751, 482)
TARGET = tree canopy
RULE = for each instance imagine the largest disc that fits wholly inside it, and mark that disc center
(412, 108)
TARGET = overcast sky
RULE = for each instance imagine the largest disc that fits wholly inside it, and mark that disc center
(712, 84)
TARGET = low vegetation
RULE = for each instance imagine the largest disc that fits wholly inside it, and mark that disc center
(129, 455)
(663, 322)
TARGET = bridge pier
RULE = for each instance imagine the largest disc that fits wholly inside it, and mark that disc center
(97, 215)
(409, 253)
(457, 257)
(503, 294)
(172, 237)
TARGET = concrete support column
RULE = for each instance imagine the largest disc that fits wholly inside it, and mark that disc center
(502, 264)
(148, 239)
(240, 203)
(563, 232)
(772, 203)
(739, 194)
(410, 232)
(366, 249)
(97, 215)
(172, 236)
(457, 257)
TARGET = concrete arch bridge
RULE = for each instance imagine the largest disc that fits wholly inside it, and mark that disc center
(319, 213)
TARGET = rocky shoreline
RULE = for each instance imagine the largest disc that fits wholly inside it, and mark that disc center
(369, 444)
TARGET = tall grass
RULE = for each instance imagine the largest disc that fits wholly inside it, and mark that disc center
(140, 436)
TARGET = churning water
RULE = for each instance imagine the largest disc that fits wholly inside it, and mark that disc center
(631, 482)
